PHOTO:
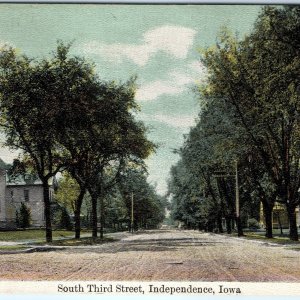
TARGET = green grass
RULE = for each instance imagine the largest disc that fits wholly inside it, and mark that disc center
(282, 240)
(86, 241)
(32, 234)
(295, 248)
(12, 248)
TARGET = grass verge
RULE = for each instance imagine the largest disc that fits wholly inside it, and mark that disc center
(86, 241)
(32, 234)
(276, 239)
(12, 248)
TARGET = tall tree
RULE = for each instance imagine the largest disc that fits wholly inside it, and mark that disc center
(35, 96)
(101, 137)
(259, 78)
(141, 199)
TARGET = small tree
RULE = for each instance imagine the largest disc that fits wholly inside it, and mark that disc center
(65, 220)
(23, 216)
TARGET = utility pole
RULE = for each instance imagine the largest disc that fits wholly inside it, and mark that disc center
(237, 197)
(237, 194)
(237, 201)
(131, 212)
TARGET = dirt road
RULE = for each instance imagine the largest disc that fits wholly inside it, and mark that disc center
(159, 256)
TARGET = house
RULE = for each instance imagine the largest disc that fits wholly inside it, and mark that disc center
(279, 216)
(25, 189)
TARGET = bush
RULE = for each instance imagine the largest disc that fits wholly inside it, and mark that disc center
(65, 220)
(23, 216)
(253, 224)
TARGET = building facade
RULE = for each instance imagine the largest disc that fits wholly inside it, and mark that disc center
(21, 189)
(280, 217)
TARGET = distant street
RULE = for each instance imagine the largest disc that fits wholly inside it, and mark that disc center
(164, 255)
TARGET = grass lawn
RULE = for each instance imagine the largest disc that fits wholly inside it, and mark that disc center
(85, 241)
(12, 248)
(20, 235)
(278, 239)
(284, 240)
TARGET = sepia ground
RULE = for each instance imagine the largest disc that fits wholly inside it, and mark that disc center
(159, 256)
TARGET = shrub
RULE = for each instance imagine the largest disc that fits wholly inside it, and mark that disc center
(65, 220)
(253, 223)
(23, 216)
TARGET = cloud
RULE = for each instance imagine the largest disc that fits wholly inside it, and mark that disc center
(118, 52)
(173, 40)
(176, 121)
(156, 89)
(198, 68)
(181, 78)
(178, 81)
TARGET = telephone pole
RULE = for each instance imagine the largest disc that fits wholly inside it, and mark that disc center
(237, 202)
(237, 194)
(131, 213)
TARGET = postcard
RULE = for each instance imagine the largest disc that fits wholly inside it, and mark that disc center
(149, 149)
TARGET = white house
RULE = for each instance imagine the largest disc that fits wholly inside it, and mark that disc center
(14, 191)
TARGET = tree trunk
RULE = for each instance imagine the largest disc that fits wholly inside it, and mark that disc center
(77, 213)
(129, 226)
(279, 223)
(267, 209)
(101, 220)
(293, 223)
(232, 222)
(239, 226)
(228, 225)
(47, 211)
(94, 216)
(210, 226)
(102, 217)
(219, 221)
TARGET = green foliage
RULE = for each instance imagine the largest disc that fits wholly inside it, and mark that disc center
(63, 117)
(148, 206)
(65, 220)
(35, 98)
(23, 216)
(253, 223)
(67, 192)
(250, 113)
(258, 78)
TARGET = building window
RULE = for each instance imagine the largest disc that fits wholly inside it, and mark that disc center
(26, 195)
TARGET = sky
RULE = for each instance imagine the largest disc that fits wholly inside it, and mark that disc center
(160, 44)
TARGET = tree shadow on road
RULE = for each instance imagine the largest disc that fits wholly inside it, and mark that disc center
(153, 245)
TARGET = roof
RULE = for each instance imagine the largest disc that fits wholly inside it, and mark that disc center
(23, 180)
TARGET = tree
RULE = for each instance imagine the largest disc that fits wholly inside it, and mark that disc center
(115, 210)
(148, 207)
(64, 118)
(34, 100)
(258, 76)
(100, 136)
(209, 154)
(67, 192)
(23, 216)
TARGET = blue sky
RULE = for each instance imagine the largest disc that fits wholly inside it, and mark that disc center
(158, 43)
